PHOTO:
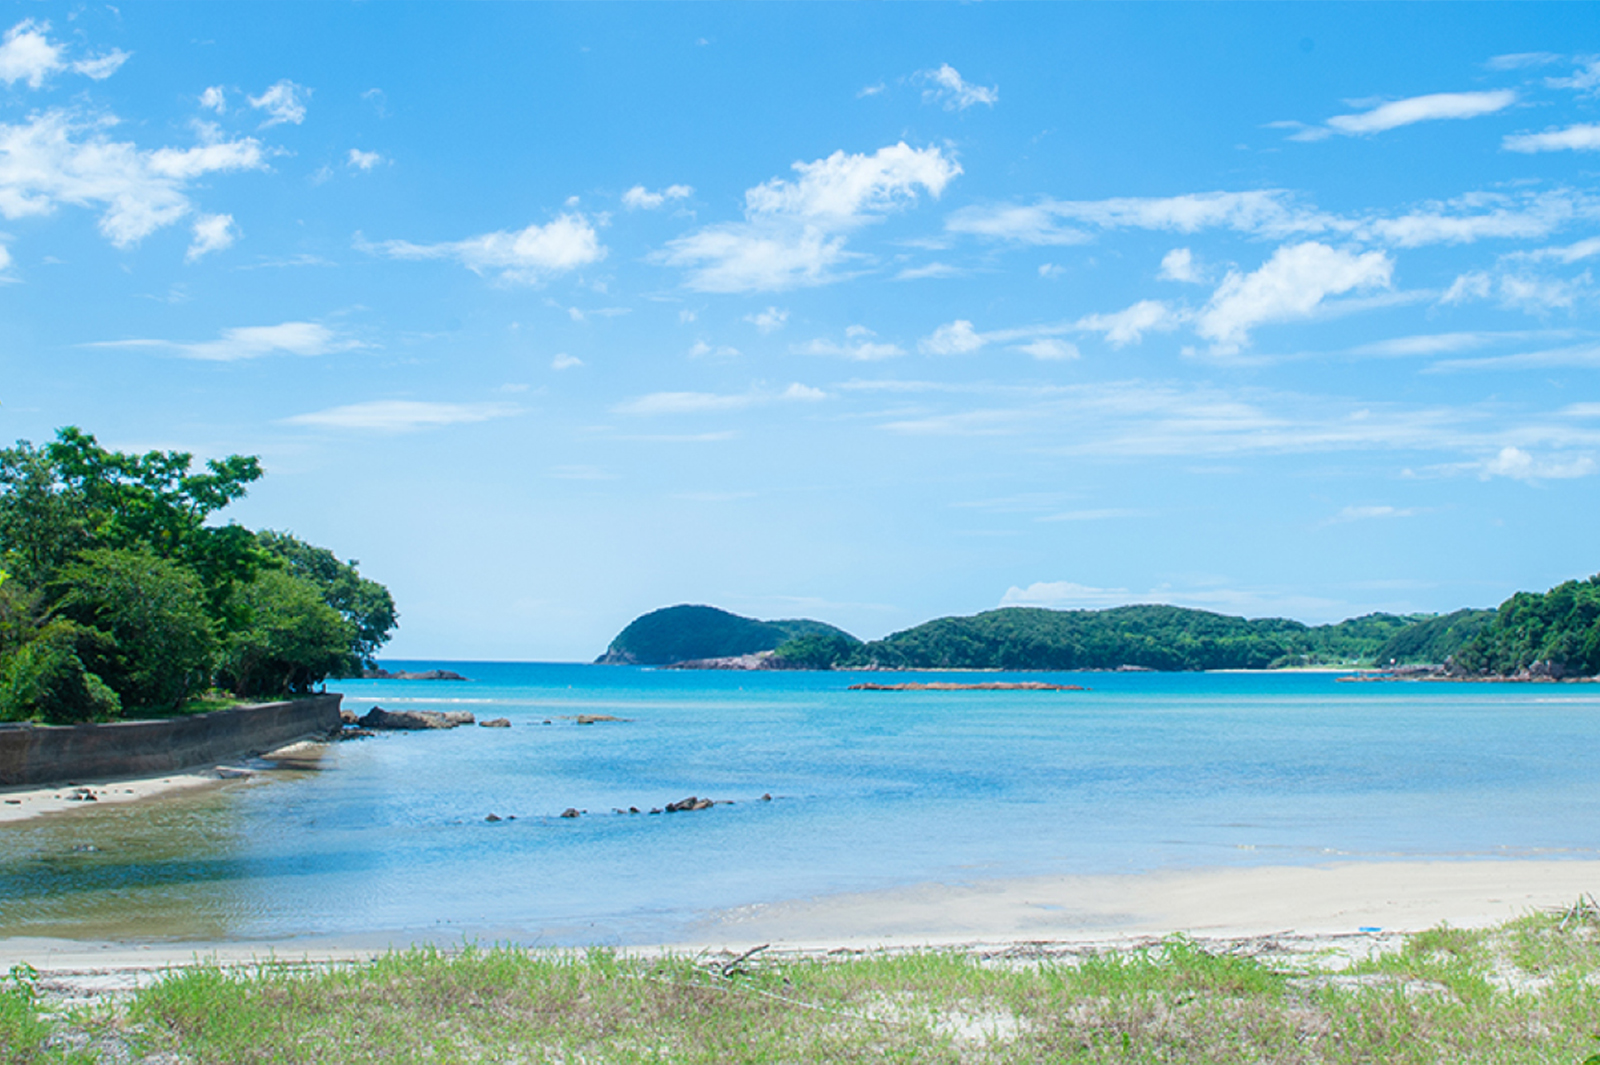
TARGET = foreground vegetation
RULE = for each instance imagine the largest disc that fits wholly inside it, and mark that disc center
(1524, 992)
(119, 593)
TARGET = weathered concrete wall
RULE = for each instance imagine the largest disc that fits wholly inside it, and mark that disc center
(32, 755)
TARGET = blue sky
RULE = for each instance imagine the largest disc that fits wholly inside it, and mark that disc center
(552, 315)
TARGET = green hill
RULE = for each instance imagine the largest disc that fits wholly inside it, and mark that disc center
(1553, 633)
(683, 633)
(1141, 637)
(1432, 640)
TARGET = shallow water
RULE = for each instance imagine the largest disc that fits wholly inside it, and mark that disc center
(870, 789)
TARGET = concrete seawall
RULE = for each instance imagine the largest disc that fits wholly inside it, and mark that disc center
(31, 755)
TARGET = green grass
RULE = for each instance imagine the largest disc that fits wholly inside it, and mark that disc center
(1528, 991)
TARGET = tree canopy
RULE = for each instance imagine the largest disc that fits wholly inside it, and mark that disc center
(122, 593)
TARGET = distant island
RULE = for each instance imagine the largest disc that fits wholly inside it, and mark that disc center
(1532, 635)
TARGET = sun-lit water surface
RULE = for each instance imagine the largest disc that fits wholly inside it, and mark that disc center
(870, 790)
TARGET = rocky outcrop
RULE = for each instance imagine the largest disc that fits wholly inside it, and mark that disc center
(413, 720)
(426, 674)
(495, 722)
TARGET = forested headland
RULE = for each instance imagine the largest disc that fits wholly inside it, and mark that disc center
(1550, 634)
(120, 595)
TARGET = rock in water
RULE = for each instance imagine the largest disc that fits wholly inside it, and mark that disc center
(406, 720)
(570, 812)
(496, 722)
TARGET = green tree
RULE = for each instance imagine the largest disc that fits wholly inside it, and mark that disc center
(291, 638)
(45, 678)
(366, 605)
(159, 638)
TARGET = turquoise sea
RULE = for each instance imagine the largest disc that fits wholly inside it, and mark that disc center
(387, 837)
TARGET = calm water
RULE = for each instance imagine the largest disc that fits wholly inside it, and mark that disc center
(387, 835)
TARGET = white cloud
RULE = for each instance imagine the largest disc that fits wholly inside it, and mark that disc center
(1586, 79)
(871, 90)
(101, 67)
(401, 415)
(793, 230)
(1267, 212)
(283, 102)
(918, 273)
(639, 197)
(1130, 325)
(845, 190)
(1519, 465)
(1581, 138)
(1474, 284)
(1290, 285)
(1571, 253)
(1478, 216)
(212, 232)
(1584, 356)
(1521, 60)
(214, 99)
(563, 361)
(55, 157)
(711, 402)
(28, 55)
(745, 258)
(250, 342)
(5, 261)
(948, 88)
(1275, 214)
(1049, 349)
(769, 320)
(952, 338)
(361, 160)
(686, 316)
(1368, 513)
(1049, 270)
(1066, 595)
(1178, 265)
(856, 348)
(1434, 106)
(527, 255)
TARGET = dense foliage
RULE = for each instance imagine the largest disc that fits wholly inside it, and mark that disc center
(119, 595)
(1138, 637)
(684, 633)
(1556, 632)
(1433, 640)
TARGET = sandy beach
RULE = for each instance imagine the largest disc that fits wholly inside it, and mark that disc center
(1335, 899)
(1348, 909)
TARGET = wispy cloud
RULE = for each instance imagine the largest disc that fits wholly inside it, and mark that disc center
(1214, 596)
(640, 198)
(769, 320)
(794, 232)
(946, 87)
(528, 255)
(1579, 138)
(284, 103)
(249, 342)
(401, 415)
(1414, 109)
(1370, 513)
(713, 402)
